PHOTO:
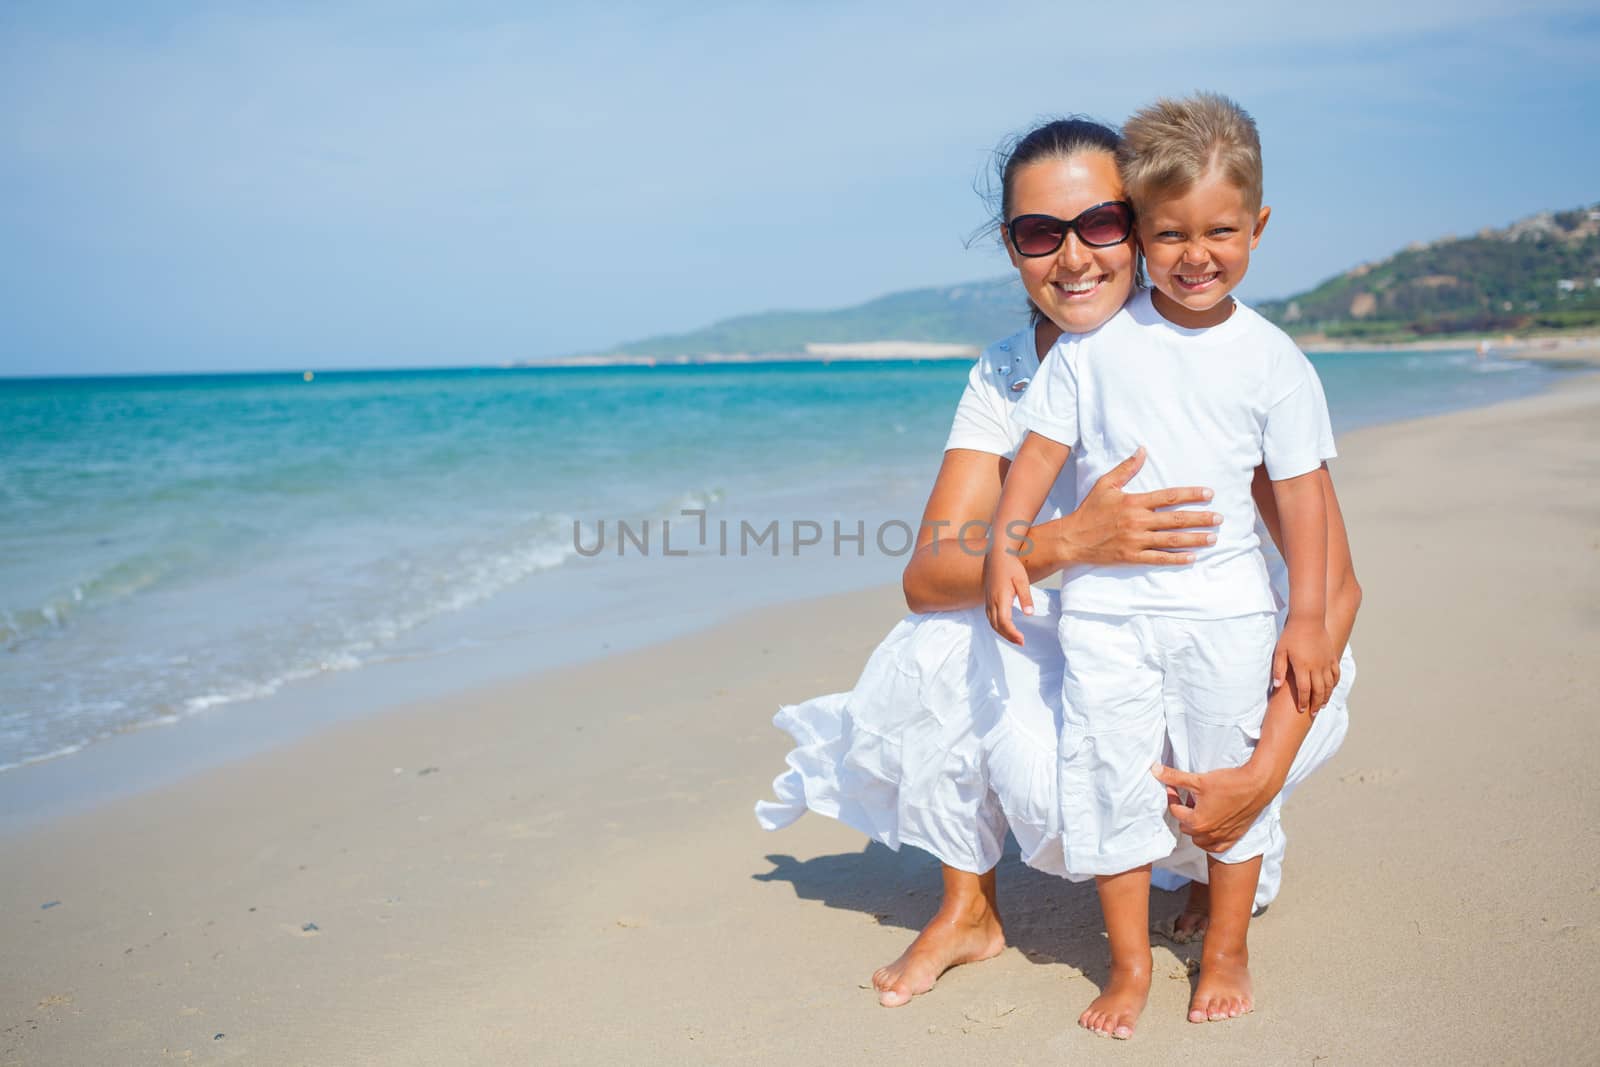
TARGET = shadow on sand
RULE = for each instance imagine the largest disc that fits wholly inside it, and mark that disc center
(1048, 919)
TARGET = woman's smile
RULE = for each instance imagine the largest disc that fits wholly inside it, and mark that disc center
(1079, 288)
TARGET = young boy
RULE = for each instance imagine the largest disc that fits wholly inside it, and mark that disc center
(1174, 664)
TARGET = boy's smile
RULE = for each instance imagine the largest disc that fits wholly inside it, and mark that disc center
(1197, 247)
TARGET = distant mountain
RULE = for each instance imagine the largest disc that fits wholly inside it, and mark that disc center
(975, 314)
(1542, 272)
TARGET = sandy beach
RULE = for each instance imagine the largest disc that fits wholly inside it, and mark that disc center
(566, 869)
(1574, 348)
(1581, 348)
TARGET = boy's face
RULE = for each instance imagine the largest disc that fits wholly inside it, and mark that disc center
(1197, 247)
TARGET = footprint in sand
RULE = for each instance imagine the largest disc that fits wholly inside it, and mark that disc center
(996, 1018)
(536, 827)
(1383, 774)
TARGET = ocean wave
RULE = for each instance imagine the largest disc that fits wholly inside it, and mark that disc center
(472, 575)
(478, 574)
(119, 581)
(45, 757)
(1499, 366)
(690, 500)
(1468, 361)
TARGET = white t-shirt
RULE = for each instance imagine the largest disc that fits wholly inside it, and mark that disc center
(1208, 406)
(984, 422)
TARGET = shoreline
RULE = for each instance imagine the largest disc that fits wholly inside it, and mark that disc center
(564, 867)
(1575, 348)
(150, 755)
(164, 753)
(1579, 347)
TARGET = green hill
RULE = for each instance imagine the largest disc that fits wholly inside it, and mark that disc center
(1542, 272)
(975, 313)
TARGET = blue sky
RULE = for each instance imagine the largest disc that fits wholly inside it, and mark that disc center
(236, 186)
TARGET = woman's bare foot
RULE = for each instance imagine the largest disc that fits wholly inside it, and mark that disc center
(966, 929)
(1191, 923)
(1115, 1012)
(1223, 991)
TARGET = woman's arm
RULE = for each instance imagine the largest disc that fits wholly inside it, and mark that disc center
(945, 572)
(1226, 802)
(1285, 726)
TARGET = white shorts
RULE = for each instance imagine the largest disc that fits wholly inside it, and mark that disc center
(1142, 689)
(1320, 745)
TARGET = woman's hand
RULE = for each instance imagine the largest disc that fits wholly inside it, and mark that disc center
(1111, 526)
(1220, 805)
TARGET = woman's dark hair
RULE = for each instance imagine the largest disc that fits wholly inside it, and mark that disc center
(1055, 139)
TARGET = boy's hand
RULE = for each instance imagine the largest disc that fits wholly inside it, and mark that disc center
(1005, 579)
(1305, 648)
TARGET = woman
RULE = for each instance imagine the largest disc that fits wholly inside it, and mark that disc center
(949, 735)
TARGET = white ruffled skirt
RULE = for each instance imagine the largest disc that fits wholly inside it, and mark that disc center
(951, 735)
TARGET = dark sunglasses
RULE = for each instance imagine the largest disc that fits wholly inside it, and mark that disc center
(1101, 226)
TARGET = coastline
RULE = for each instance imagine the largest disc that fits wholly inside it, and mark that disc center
(183, 648)
(563, 867)
(1560, 348)
(1582, 347)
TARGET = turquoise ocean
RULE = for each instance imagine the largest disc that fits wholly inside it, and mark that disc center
(181, 546)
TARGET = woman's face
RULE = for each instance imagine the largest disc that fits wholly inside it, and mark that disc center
(1078, 287)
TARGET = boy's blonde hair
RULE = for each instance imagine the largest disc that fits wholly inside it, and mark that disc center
(1169, 145)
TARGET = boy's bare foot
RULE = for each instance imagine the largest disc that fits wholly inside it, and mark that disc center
(1115, 1012)
(1223, 991)
(963, 931)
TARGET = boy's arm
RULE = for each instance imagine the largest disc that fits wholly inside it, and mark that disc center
(1343, 592)
(1304, 646)
(1005, 576)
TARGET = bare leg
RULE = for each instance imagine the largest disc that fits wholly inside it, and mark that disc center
(1125, 901)
(1223, 991)
(965, 929)
(1190, 925)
